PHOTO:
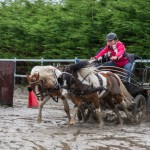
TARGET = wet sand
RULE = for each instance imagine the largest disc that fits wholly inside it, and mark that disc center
(20, 131)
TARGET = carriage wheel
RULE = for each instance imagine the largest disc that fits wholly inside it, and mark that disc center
(148, 108)
(140, 108)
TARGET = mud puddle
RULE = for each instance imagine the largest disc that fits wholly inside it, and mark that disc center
(19, 130)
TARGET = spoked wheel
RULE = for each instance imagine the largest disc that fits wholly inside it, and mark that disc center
(148, 108)
(140, 108)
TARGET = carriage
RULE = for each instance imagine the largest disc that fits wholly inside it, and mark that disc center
(138, 84)
(139, 87)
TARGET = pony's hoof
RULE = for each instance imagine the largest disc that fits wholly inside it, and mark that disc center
(72, 122)
(120, 125)
(133, 120)
(101, 126)
(39, 120)
(83, 121)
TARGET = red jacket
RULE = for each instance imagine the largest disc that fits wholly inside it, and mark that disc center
(116, 50)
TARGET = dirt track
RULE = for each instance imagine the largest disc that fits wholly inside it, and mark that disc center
(19, 130)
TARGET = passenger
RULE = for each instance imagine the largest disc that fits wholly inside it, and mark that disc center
(116, 52)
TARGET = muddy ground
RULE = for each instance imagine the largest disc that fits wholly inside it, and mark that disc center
(19, 130)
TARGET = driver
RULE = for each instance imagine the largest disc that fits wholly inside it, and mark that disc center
(116, 52)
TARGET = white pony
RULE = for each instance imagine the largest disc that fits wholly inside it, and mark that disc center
(108, 85)
(91, 78)
(44, 81)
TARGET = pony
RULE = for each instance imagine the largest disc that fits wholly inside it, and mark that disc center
(45, 82)
(87, 84)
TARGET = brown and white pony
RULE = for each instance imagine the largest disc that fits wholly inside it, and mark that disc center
(44, 81)
(86, 84)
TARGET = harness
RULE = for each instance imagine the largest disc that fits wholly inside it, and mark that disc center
(90, 89)
(46, 91)
(87, 91)
(100, 79)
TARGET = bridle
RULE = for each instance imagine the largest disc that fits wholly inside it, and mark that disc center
(70, 75)
(44, 91)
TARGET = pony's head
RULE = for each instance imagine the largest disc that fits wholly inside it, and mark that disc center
(35, 84)
(68, 78)
(44, 80)
(39, 85)
(33, 81)
(34, 78)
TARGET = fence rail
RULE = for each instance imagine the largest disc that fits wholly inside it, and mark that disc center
(42, 60)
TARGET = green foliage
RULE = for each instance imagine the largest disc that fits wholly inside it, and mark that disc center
(36, 29)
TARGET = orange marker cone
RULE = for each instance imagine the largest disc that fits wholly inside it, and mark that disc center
(32, 100)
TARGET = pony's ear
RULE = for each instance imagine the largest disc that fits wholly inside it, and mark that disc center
(58, 64)
(28, 77)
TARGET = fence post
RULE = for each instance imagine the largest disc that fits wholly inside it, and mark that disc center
(6, 82)
(42, 60)
(15, 66)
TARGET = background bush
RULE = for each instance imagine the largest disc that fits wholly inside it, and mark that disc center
(72, 28)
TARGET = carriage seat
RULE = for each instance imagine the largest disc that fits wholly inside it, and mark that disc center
(131, 57)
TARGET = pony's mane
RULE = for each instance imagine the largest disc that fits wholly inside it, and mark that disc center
(45, 71)
(79, 65)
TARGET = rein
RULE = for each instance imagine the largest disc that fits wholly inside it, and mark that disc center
(45, 92)
(67, 73)
(35, 82)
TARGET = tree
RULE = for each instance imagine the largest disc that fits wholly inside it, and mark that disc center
(71, 28)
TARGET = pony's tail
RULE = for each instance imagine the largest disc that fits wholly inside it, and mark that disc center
(126, 95)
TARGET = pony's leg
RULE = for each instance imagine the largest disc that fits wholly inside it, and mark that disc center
(96, 105)
(74, 113)
(90, 111)
(64, 95)
(118, 115)
(82, 113)
(66, 108)
(88, 114)
(77, 101)
(128, 114)
(113, 107)
(41, 104)
(99, 116)
(79, 115)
